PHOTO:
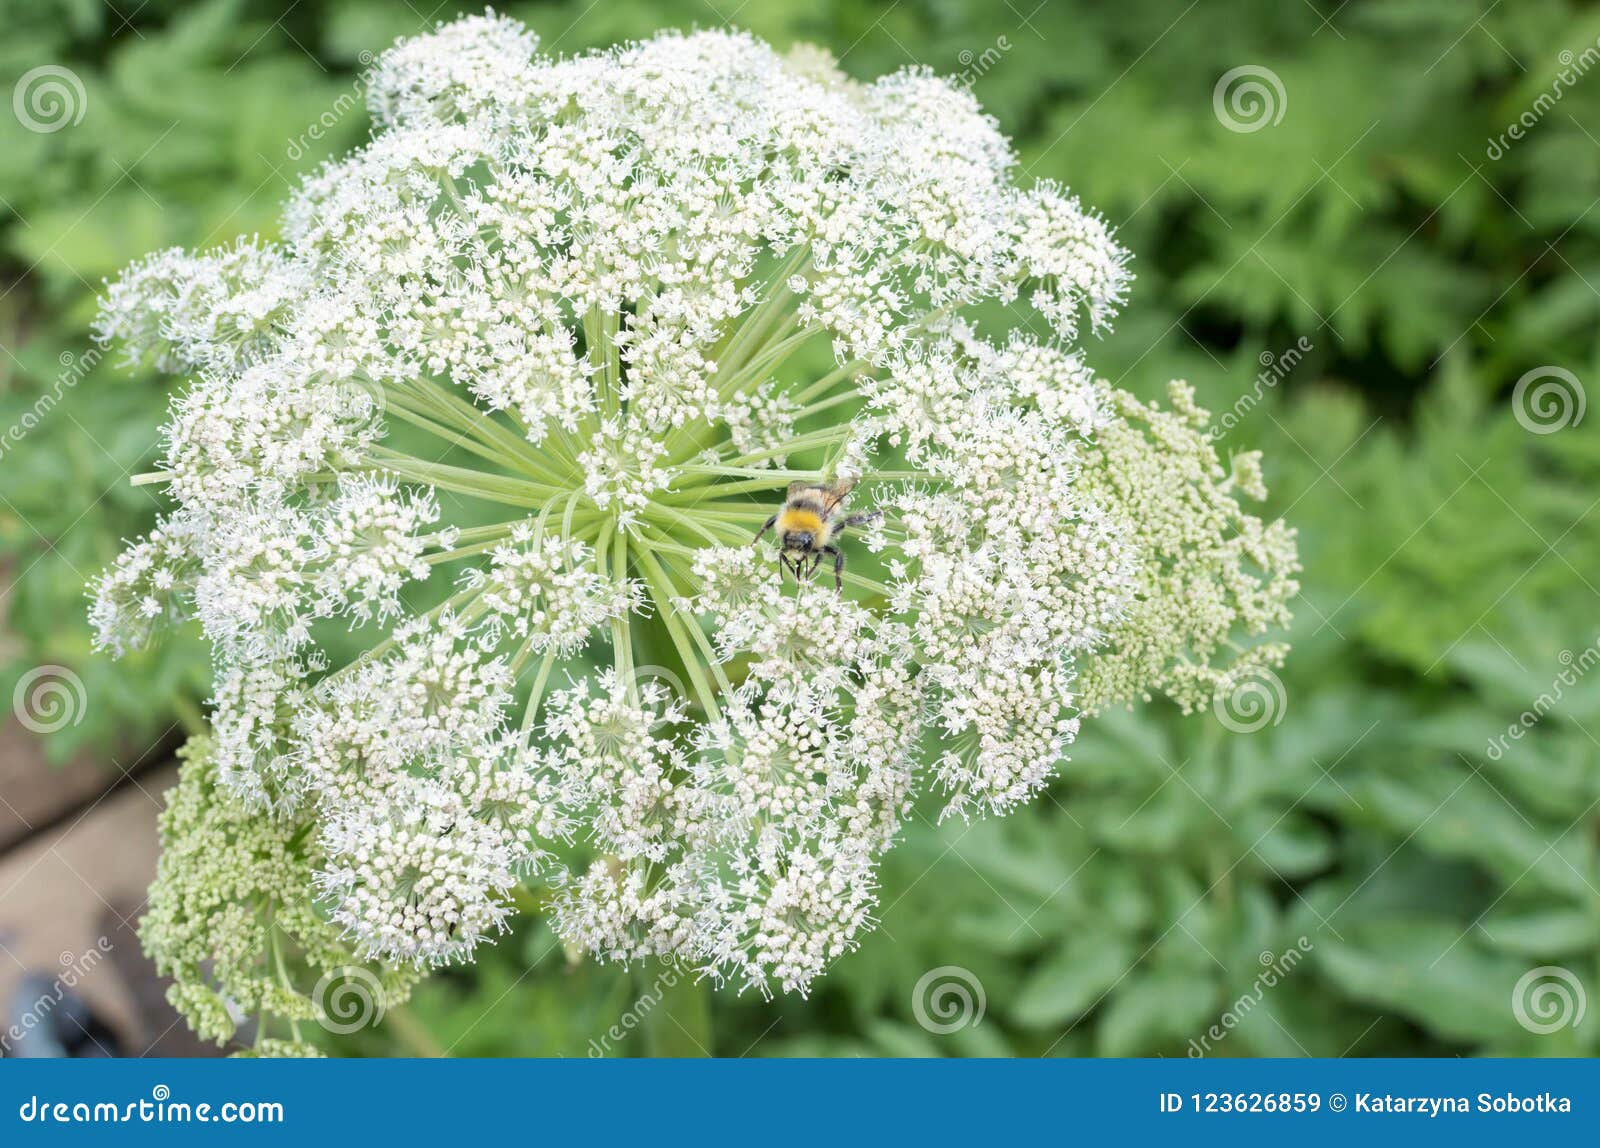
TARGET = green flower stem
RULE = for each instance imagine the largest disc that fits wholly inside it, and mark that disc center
(536, 693)
(483, 422)
(602, 543)
(768, 358)
(567, 515)
(460, 552)
(489, 487)
(456, 438)
(283, 971)
(608, 333)
(817, 408)
(695, 494)
(480, 533)
(830, 437)
(712, 661)
(751, 512)
(772, 477)
(602, 354)
(774, 299)
(832, 379)
(621, 635)
(690, 522)
(660, 589)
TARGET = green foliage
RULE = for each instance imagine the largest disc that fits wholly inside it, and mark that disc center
(1428, 858)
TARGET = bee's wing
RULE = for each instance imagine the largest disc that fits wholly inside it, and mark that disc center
(800, 487)
(833, 495)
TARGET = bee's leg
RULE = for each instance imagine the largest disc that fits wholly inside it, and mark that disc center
(766, 527)
(859, 519)
(838, 565)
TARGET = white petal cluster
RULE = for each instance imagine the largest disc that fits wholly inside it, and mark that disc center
(467, 471)
(418, 871)
(546, 591)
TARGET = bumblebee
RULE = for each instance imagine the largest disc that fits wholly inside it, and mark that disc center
(808, 524)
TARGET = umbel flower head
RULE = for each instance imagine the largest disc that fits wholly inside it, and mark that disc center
(467, 473)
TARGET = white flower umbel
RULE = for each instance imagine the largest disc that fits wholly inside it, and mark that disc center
(467, 473)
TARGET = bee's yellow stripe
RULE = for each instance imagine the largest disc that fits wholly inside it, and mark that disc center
(799, 520)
